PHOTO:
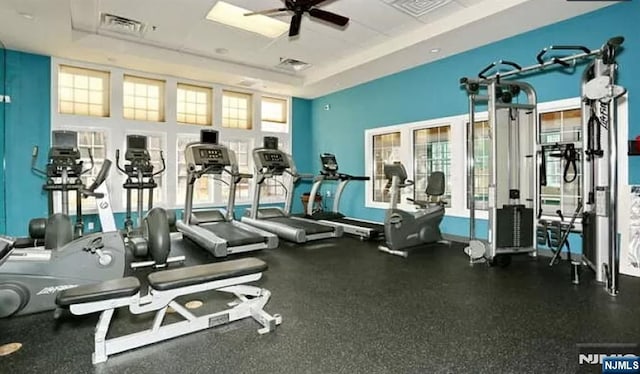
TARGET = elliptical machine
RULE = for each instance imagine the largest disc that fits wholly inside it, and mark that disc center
(140, 177)
(63, 174)
(31, 277)
(404, 230)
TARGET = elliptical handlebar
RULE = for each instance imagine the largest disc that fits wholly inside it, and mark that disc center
(34, 161)
(92, 163)
(118, 162)
(164, 165)
(100, 178)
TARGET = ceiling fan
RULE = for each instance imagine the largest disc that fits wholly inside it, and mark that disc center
(299, 7)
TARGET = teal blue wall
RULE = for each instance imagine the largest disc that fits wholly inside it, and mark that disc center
(432, 91)
(27, 123)
(302, 143)
(3, 221)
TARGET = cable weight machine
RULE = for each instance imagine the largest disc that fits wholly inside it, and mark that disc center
(516, 159)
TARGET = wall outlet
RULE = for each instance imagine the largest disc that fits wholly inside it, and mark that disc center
(5, 99)
(90, 225)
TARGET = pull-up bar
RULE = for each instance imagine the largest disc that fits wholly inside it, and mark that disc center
(607, 51)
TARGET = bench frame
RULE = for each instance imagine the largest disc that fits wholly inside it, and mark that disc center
(250, 302)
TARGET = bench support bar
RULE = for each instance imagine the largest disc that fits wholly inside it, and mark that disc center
(250, 302)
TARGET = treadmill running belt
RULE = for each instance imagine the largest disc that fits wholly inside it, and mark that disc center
(234, 235)
(309, 228)
(367, 225)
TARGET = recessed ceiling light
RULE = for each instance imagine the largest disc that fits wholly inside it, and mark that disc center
(435, 50)
(234, 16)
(27, 15)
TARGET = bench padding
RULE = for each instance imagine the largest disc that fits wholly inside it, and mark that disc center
(189, 276)
(111, 289)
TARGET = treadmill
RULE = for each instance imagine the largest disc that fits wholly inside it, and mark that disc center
(269, 161)
(360, 228)
(216, 230)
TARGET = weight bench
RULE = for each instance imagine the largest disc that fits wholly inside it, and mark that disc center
(164, 288)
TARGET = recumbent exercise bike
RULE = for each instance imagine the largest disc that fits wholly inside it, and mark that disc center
(404, 230)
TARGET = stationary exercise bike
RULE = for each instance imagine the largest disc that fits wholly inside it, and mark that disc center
(140, 177)
(404, 230)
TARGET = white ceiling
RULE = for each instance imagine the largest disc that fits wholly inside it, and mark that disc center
(379, 40)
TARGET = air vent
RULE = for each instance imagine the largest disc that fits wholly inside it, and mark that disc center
(292, 64)
(121, 25)
(417, 8)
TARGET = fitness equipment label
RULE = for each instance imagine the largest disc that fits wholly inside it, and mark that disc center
(219, 320)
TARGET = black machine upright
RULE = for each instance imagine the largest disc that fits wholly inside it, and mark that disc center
(63, 174)
(140, 177)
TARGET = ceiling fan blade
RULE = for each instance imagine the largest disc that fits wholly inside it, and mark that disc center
(328, 16)
(312, 3)
(294, 29)
(267, 11)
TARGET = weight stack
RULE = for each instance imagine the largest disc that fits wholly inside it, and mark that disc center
(515, 227)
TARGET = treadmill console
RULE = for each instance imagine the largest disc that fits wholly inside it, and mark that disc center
(208, 155)
(329, 164)
(271, 160)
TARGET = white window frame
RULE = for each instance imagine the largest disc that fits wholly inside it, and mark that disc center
(479, 117)
(146, 80)
(458, 125)
(406, 157)
(558, 106)
(116, 127)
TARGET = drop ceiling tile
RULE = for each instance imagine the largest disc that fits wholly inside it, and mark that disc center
(206, 36)
(173, 19)
(443, 11)
(373, 14)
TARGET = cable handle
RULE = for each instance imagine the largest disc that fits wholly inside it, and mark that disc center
(556, 60)
(482, 75)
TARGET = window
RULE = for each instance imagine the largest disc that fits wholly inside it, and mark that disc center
(242, 149)
(431, 153)
(386, 149)
(482, 158)
(202, 191)
(236, 110)
(143, 99)
(194, 105)
(184, 107)
(274, 115)
(155, 145)
(83, 91)
(96, 143)
(556, 130)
